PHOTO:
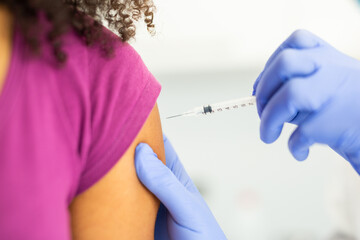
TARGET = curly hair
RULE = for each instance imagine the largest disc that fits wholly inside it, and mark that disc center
(85, 16)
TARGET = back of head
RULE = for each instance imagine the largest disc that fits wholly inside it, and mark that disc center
(84, 16)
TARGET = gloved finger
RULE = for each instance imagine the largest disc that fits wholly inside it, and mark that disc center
(296, 99)
(300, 39)
(174, 164)
(162, 183)
(315, 129)
(288, 64)
(284, 106)
(299, 144)
(330, 125)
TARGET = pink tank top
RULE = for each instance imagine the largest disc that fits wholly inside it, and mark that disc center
(62, 129)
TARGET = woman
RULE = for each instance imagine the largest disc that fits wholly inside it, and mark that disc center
(75, 101)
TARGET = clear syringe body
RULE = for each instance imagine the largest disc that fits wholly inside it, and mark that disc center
(220, 107)
(229, 105)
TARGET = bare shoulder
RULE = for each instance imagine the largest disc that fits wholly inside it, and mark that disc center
(119, 206)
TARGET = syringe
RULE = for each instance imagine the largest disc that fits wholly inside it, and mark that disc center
(219, 107)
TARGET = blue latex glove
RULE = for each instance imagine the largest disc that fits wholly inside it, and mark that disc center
(188, 216)
(309, 83)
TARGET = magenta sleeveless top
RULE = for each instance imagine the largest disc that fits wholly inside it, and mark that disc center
(62, 129)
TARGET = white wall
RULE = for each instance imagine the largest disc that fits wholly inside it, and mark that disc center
(196, 35)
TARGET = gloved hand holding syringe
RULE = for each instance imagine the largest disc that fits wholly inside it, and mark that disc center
(219, 107)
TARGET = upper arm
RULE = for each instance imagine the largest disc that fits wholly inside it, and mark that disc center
(119, 206)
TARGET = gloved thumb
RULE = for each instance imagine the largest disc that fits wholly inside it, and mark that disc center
(159, 179)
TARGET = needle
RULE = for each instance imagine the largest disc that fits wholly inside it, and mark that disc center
(219, 107)
(180, 115)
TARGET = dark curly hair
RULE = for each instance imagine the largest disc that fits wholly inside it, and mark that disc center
(85, 16)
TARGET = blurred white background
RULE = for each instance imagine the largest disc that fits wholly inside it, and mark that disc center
(207, 51)
(198, 35)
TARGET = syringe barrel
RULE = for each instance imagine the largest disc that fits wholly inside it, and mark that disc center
(233, 104)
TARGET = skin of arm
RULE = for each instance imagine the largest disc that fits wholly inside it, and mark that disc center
(118, 206)
(6, 35)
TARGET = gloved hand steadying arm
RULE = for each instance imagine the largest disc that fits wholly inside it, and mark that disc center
(188, 216)
(309, 83)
